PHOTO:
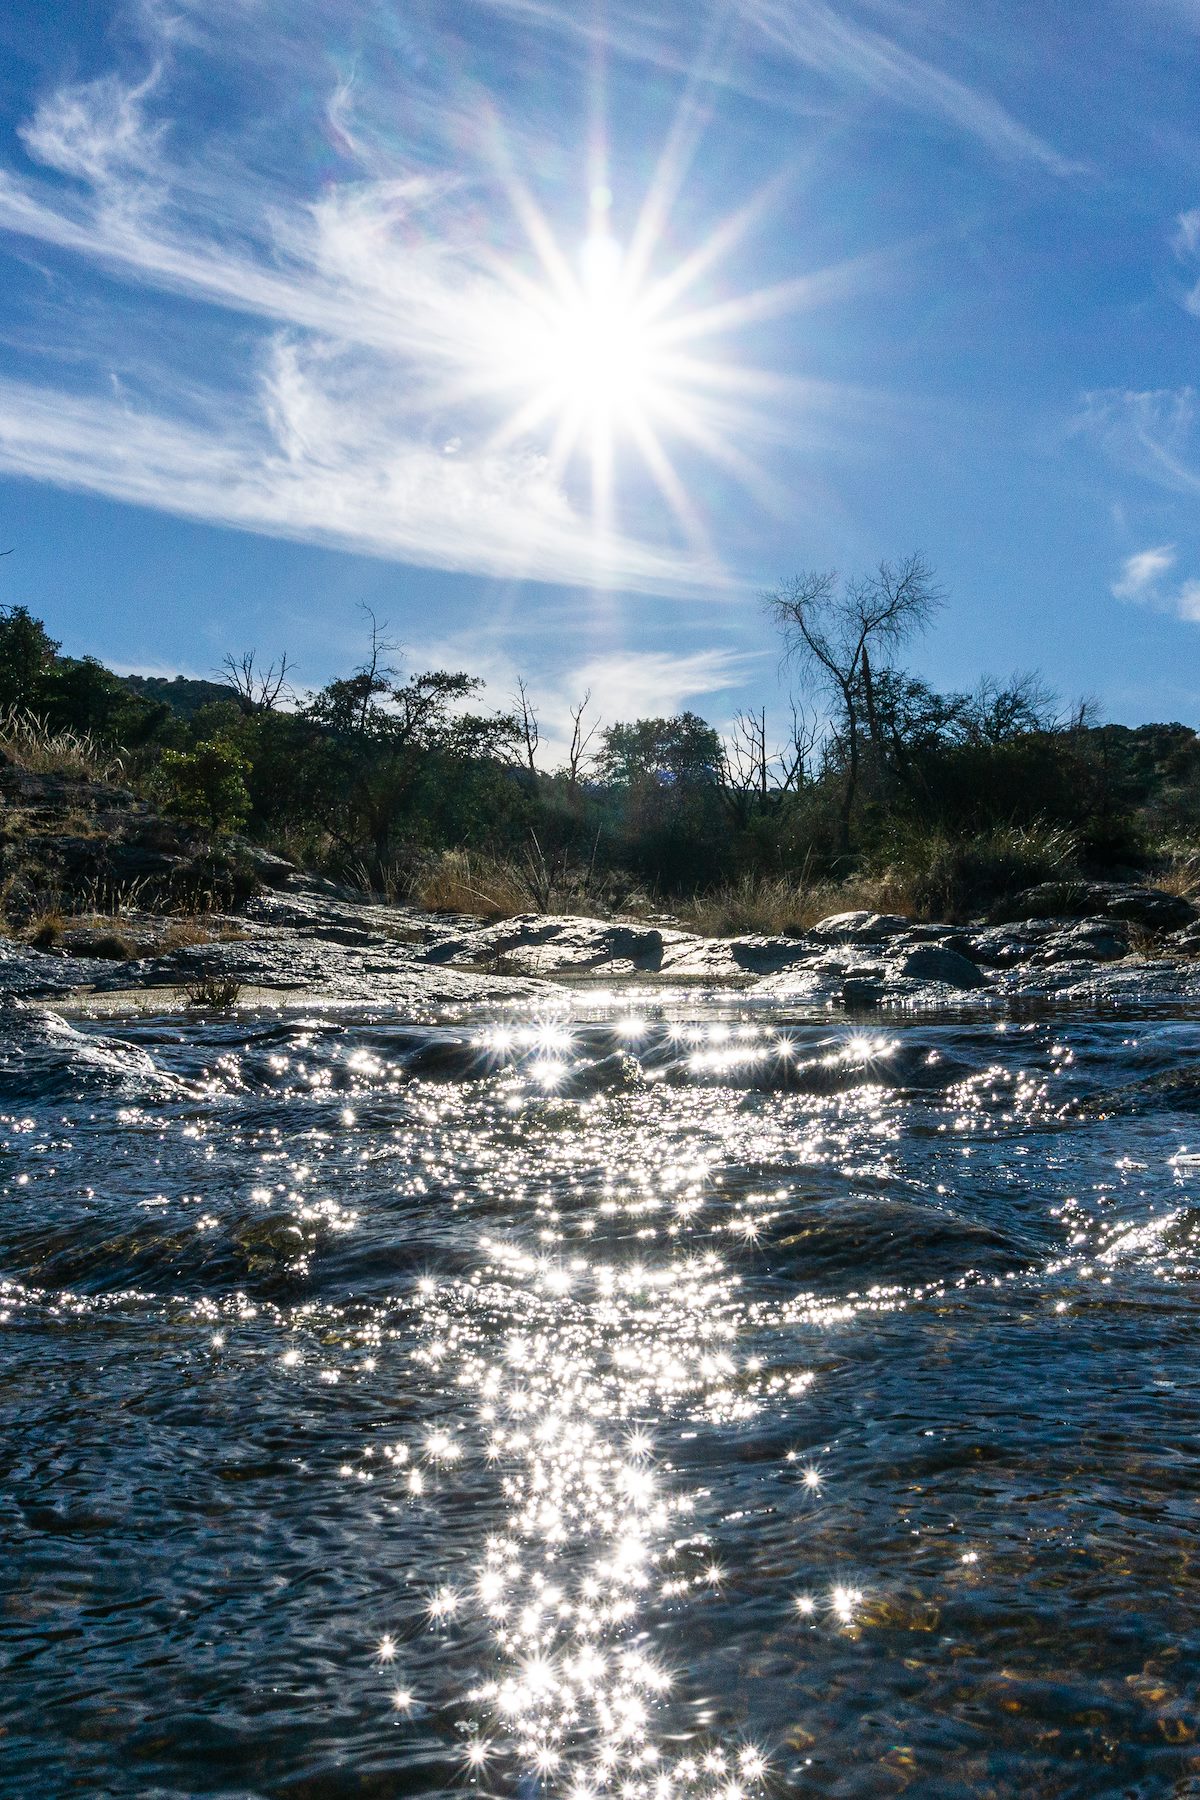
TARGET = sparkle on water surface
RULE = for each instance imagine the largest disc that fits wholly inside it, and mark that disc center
(654, 1403)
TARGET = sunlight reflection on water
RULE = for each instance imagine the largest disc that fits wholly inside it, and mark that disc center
(633, 1405)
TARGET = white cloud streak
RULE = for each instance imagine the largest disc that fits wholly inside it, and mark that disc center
(828, 41)
(95, 129)
(618, 685)
(319, 472)
(348, 406)
(1153, 435)
(1149, 432)
(1143, 571)
(654, 684)
(1142, 581)
(380, 307)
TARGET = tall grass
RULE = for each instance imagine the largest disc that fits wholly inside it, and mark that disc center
(922, 876)
(496, 887)
(940, 877)
(780, 906)
(28, 740)
(483, 886)
(1181, 871)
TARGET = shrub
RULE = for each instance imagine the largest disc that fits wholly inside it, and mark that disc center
(948, 878)
(207, 785)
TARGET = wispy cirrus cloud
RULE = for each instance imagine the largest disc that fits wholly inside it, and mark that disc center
(1185, 241)
(1152, 434)
(95, 129)
(343, 338)
(382, 311)
(1149, 432)
(1143, 580)
(310, 466)
(1142, 571)
(652, 683)
(617, 685)
(832, 42)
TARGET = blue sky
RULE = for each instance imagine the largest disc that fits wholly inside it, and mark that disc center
(557, 332)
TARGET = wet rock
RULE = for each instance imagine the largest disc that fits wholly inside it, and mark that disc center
(273, 1237)
(765, 955)
(950, 936)
(1183, 943)
(1150, 907)
(273, 871)
(559, 944)
(861, 993)
(859, 927)
(730, 959)
(41, 1054)
(935, 962)
(1095, 940)
(1003, 946)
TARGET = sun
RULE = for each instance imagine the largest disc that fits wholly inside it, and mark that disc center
(581, 348)
(598, 353)
(597, 358)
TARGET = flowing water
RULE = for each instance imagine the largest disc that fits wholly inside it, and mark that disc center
(707, 1402)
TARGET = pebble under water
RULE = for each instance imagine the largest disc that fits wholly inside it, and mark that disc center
(700, 1401)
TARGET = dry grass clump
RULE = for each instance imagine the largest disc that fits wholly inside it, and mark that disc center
(27, 740)
(1182, 872)
(781, 906)
(492, 887)
(482, 886)
(186, 934)
(78, 934)
(214, 992)
(45, 929)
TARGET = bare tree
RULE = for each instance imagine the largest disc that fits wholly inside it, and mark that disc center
(579, 758)
(528, 734)
(838, 630)
(754, 774)
(373, 674)
(998, 711)
(257, 689)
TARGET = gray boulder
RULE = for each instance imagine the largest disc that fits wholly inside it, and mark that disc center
(933, 962)
(859, 927)
(1150, 907)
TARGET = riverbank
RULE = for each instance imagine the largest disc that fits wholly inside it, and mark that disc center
(309, 940)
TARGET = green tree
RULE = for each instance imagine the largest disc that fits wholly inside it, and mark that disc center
(27, 654)
(80, 694)
(669, 754)
(663, 780)
(207, 784)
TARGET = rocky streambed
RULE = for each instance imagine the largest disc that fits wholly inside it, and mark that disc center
(307, 938)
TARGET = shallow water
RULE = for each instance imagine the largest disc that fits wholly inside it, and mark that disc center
(702, 1402)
